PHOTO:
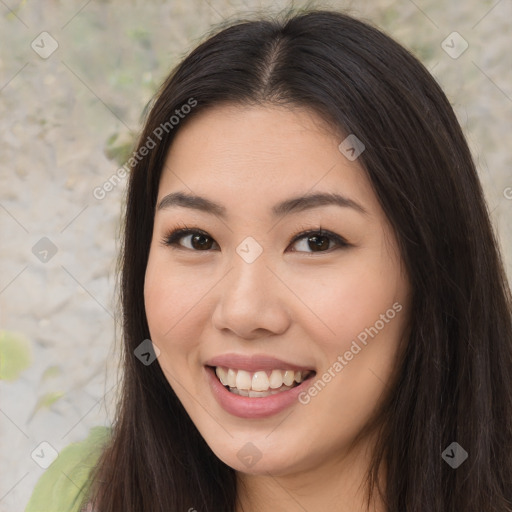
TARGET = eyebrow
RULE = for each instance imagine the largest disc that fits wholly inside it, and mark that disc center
(287, 207)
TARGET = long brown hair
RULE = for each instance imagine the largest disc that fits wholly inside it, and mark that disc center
(455, 375)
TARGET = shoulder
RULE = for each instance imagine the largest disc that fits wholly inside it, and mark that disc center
(62, 486)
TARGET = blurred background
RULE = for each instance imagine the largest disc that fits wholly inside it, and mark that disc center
(74, 80)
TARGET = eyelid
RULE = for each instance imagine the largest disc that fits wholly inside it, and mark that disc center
(174, 235)
(338, 239)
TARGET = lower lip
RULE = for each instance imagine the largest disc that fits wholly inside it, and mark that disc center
(259, 407)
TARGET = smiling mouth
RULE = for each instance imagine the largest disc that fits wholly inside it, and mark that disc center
(262, 383)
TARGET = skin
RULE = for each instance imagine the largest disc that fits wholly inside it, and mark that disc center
(292, 302)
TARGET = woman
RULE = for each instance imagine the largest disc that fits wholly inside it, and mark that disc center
(308, 249)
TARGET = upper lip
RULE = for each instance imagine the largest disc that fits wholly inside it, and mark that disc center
(254, 363)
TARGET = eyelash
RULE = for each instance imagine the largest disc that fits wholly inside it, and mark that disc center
(172, 238)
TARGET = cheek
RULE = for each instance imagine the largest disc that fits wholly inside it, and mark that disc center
(172, 300)
(365, 309)
(350, 300)
(175, 314)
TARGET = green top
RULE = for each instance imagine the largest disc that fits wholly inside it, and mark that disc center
(61, 486)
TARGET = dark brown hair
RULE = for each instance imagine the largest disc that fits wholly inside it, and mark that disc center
(454, 378)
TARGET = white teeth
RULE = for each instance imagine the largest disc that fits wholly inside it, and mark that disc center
(231, 378)
(260, 381)
(243, 380)
(222, 374)
(241, 392)
(258, 394)
(288, 377)
(276, 379)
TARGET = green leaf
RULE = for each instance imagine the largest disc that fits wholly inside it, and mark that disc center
(64, 485)
(13, 11)
(51, 371)
(15, 355)
(119, 147)
(49, 399)
(46, 401)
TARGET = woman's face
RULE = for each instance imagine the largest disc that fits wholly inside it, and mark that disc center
(262, 298)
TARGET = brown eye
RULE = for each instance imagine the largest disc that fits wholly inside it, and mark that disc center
(318, 241)
(201, 242)
(195, 240)
(308, 242)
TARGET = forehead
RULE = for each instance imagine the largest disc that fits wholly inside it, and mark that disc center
(254, 154)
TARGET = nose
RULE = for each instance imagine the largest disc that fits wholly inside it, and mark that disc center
(251, 301)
